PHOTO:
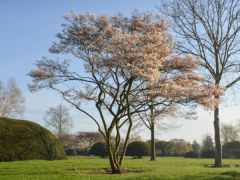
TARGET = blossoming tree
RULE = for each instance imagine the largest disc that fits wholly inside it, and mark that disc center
(124, 58)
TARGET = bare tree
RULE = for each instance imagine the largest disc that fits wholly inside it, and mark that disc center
(89, 137)
(156, 117)
(134, 137)
(209, 29)
(58, 119)
(12, 101)
(67, 140)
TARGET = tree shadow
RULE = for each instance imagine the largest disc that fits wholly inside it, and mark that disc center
(224, 176)
(231, 173)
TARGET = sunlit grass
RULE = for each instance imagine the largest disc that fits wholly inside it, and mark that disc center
(82, 167)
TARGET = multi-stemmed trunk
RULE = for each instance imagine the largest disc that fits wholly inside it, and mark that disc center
(116, 166)
(153, 156)
(218, 145)
(115, 161)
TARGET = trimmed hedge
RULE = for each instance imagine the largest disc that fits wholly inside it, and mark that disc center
(138, 149)
(100, 149)
(231, 150)
(83, 151)
(191, 154)
(208, 154)
(70, 152)
(26, 140)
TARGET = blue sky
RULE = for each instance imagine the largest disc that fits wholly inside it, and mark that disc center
(27, 30)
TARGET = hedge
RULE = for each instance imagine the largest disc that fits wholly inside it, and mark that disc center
(26, 140)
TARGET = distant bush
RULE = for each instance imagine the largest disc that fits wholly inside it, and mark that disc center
(138, 149)
(231, 150)
(26, 140)
(208, 154)
(80, 151)
(70, 152)
(83, 151)
(191, 154)
(99, 149)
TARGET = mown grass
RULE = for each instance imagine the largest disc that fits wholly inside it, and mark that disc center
(81, 167)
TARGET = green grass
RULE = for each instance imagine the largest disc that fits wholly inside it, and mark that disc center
(81, 167)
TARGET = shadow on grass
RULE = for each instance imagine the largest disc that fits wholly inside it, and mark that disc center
(221, 176)
(92, 169)
(232, 173)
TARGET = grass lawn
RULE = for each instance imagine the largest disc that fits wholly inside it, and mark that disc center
(81, 167)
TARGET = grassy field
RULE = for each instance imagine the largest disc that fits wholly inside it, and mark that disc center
(81, 167)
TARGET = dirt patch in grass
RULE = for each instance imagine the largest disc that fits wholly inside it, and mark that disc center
(123, 172)
(103, 171)
(224, 166)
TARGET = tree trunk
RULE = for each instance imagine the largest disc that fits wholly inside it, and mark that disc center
(115, 166)
(218, 145)
(116, 170)
(153, 157)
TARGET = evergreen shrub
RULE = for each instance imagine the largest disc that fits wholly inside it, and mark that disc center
(70, 152)
(208, 154)
(138, 149)
(26, 140)
(231, 150)
(191, 154)
(99, 149)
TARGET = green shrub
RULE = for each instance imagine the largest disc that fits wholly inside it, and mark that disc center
(231, 150)
(138, 149)
(70, 152)
(191, 154)
(83, 151)
(25, 140)
(86, 151)
(208, 154)
(100, 149)
(80, 151)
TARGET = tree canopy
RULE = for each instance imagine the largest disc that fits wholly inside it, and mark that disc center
(125, 59)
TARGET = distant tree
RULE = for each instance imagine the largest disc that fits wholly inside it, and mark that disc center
(89, 137)
(12, 101)
(190, 146)
(207, 150)
(63, 138)
(229, 132)
(58, 119)
(180, 147)
(207, 143)
(196, 147)
(156, 117)
(149, 141)
(134, 138)
(169, 148)
(68, 140)
(209, 29)
(162, 145)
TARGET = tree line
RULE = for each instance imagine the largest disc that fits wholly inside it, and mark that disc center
(83, 141)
